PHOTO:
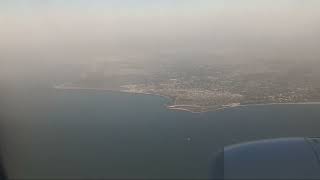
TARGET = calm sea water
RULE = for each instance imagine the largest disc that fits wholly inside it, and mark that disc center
(51, 133)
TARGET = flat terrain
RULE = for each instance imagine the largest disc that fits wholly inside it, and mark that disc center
(206, 86)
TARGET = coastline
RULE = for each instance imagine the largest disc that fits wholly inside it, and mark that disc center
(175, 107)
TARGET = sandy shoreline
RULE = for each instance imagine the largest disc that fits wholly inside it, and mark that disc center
(180, 107)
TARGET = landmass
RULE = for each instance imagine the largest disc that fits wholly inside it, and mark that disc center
(205, 86)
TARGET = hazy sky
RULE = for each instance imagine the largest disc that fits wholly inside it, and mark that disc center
(88, 28)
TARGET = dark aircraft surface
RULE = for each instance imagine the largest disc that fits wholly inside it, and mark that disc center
(285, 158)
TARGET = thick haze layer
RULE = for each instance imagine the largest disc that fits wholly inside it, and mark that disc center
(204, 55)
(60, 31)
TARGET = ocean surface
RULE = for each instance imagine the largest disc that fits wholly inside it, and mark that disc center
(49, 133)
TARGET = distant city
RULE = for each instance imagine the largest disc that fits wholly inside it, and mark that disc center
(200, 86)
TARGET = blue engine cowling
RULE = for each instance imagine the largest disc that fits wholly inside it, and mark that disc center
(285, 158)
